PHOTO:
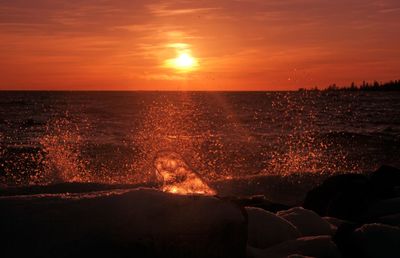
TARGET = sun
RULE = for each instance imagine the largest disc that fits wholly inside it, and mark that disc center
(183, 62)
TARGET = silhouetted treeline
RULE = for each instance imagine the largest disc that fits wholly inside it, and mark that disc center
(365, 86)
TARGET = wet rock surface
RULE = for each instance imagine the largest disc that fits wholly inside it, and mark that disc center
(369, 209)
(129, 223)
(349, 215)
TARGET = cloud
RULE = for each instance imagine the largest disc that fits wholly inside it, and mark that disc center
(132, 38)
(162, 9)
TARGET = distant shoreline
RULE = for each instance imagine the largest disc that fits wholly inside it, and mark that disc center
(365, 86)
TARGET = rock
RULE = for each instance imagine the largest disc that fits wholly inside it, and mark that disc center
(377, 240)
(265, 229)
(306, 221)
(334, 223)
(344, 196)
(386, 182)
(343, 238)
(384, 208)
(128, 223)
(258, 201)
(393, 220)
(319, 246)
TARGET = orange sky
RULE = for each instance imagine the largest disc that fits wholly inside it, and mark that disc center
(239, 45)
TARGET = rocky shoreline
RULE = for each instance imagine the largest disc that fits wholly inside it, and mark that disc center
(348, 215)
(360, 214)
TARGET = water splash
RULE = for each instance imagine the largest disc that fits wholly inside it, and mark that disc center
(168, 124)
(308, 153)
(62, 145)
(176, 177)
(302, 147)
(221, 136)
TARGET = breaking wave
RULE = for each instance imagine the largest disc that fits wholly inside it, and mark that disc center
(183, 142)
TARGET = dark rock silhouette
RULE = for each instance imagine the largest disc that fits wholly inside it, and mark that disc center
(385, 182)
(360, 199)
(376, 241)
(344, 239)
(266, 229)
(257, 201)
(343, 196)
(349, 196)
(122, 223)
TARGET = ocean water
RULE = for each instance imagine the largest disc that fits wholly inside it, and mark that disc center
(116, 137)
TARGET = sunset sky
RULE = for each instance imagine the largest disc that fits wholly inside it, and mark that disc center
(229, 45)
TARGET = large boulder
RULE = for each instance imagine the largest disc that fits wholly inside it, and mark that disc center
(376, 241)
(345, 196)
(385, 182)
(265, 229)
(129, 223)
(383, 208)
(307, 222)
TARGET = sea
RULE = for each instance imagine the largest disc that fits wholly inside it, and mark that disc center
(240, 143)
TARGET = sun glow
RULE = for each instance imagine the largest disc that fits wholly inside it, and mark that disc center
(184, 60)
